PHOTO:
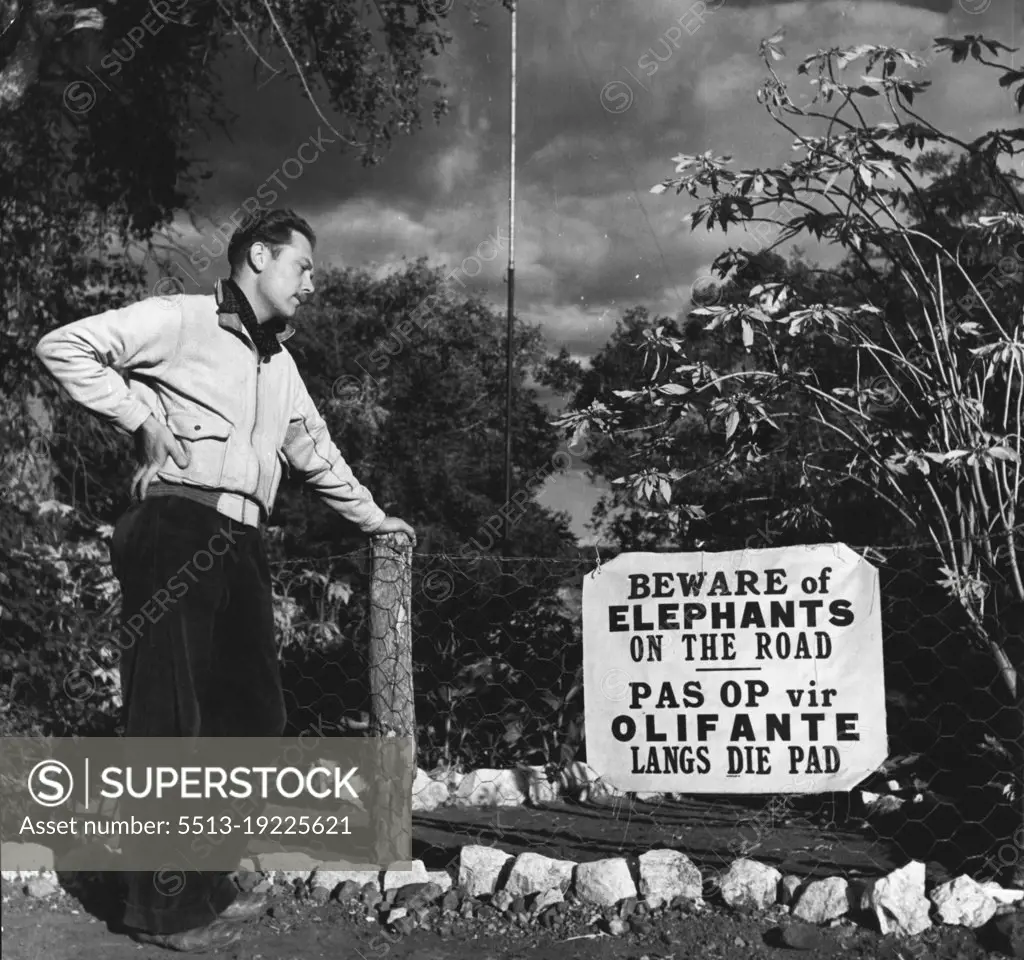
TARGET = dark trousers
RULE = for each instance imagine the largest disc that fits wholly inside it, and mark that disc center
(201, 662)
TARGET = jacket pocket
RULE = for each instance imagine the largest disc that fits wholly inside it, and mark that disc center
(206, 439)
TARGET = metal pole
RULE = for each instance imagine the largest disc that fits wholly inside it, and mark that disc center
(511, 290)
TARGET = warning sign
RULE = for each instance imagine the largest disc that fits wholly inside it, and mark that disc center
(751, 671)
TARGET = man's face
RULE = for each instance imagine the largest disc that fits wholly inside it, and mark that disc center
(287, 279)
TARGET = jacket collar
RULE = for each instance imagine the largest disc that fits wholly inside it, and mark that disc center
(230, 320)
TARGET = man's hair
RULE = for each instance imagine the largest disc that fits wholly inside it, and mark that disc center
(272, 227)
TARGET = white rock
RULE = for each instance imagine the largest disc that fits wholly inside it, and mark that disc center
(898, 901)
(449, 776)
(1001, 894)
(748, 883)
(30, 857)
(878, 804)
(442, 878)
(427, 794)
(282, 861)
(332, 879)
(290, 876)
(604, 882)
(824, 900)
(397, 913)
(546, 899)
(534, 873)
(41, 887)
(583, 782)
(665, 874)
(649, 796)
(788, 888)
(393, 879)
(538, 787)
(480, 869)
(486, 788)
(963, 902)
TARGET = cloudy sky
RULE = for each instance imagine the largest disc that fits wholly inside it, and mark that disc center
(609, 91)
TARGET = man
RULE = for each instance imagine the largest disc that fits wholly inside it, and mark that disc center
(217, 407)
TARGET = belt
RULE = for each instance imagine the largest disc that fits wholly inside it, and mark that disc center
(239, 508)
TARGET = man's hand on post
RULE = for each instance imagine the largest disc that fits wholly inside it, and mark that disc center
(395, 525)
(154, 443)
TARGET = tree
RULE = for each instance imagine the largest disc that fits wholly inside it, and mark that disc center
(929, 419)
(409, 377)
(100, 107)
(763, 503)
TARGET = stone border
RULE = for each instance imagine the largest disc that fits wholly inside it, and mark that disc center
(579, 781)
(537, 886)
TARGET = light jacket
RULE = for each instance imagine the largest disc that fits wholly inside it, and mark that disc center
(243, 422)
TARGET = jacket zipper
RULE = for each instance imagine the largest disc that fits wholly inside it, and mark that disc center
(255, 416)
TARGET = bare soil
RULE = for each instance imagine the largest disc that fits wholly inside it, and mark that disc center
(711, 831)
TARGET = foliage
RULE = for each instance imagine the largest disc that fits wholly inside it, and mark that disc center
(101, 109)
(58, 654)
(410, 379)
(928, 421)
(100, 112)
(98, 121)
(764, 503)
(497, 659)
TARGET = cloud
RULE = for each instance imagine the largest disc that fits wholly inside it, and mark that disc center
(574, 326)
(454, 166)
(591, 241)
(587, 228)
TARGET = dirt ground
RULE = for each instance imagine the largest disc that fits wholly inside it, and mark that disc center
(712, 832)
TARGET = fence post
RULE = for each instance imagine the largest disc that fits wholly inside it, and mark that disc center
(392, 708)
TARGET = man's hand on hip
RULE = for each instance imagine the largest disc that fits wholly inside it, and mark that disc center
(154, 443)
(394, 525)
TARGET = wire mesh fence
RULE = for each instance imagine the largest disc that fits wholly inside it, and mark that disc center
(480, 658)
(496, 652)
